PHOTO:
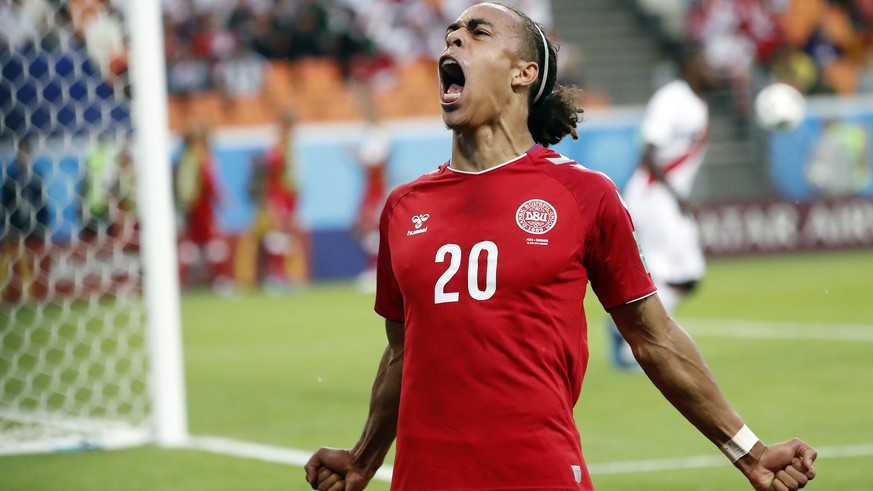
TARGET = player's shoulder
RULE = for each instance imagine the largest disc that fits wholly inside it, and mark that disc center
(676, 92)
(569, 172)
(405, 189)
(673, 87)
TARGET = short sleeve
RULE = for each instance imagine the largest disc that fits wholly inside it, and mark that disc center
(616, 268)
(389, 299)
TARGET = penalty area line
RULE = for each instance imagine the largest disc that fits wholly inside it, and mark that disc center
(298, 458)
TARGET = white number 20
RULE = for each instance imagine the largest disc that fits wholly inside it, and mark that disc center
(440, 295)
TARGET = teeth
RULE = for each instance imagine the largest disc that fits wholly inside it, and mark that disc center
(451, 97)
(449, 61)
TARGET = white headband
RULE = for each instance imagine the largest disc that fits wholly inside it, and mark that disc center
(546, 65)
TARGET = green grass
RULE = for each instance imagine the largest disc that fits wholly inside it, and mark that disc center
(295, 371)
(75, 341)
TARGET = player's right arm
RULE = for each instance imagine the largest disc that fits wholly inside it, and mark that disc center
(351, 469)
(648, 162)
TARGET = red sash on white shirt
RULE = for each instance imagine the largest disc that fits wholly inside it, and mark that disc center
(695, 148)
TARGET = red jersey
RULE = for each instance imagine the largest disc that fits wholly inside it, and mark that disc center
(374, 197)
(488, 272)
(202, 225)
(280, 188)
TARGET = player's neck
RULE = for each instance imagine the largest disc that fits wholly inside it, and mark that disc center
(696, 86)
(488, 146)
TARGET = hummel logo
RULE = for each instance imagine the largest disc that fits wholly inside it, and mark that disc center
(418, 220)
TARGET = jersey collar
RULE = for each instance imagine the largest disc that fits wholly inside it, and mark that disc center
(449, 165)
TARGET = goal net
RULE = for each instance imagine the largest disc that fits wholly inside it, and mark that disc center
(74, 344)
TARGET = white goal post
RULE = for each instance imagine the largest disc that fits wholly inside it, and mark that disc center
(90, 334)
(148, 70)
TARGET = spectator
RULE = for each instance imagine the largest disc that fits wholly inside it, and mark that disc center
(306, 30)
(25, 222)
(735, 35)
(350, 44)
(240, 75)
(372, 154)
(104, 40)
(197, 193)
(407, 31)
(125, 225)
(23, 22)
(108, 204)
(24, 197)
(836, 47)
(276, 238)
(840, 161)
(187, 74)
(214, 41)
(60, 32)
(101, 172)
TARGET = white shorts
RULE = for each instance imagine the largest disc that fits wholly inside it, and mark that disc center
(670, 239)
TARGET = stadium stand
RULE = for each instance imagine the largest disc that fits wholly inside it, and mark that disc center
(823, 46)
(326, 50)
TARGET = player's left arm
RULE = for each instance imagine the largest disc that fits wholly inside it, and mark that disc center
(672, 361)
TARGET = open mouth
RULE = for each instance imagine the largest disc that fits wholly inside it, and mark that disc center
(452, 80)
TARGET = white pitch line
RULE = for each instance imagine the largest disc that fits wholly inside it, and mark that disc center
(638, 466)
(779, 330)
(703, 461)
(298, 458)
(697, 327)
(266, 453)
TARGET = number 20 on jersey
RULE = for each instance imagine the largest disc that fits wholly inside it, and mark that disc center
(453, 254)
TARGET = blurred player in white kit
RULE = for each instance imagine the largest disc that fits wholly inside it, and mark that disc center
(675, 130)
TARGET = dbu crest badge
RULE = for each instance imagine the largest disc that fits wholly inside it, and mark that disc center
(536, 216)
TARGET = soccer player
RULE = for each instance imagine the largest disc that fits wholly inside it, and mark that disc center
(372, 155)
(675, 127)
(276, 230)
(482, 271)
(197, 192)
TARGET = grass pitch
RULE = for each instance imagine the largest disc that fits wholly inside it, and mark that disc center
(789, 338)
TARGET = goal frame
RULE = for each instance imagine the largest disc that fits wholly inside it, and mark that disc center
(158, 233)
(163, 397)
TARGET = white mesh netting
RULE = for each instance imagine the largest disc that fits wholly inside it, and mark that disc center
(73, 362)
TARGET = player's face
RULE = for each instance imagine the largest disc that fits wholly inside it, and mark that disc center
(704, 74)
(477, 67)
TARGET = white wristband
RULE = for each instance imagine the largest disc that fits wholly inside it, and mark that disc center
(740, 444)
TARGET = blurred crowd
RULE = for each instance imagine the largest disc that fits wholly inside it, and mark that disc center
(819, 46)
(225, 44)
(96, 25)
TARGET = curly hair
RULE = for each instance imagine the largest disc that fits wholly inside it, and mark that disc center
(555, 114)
